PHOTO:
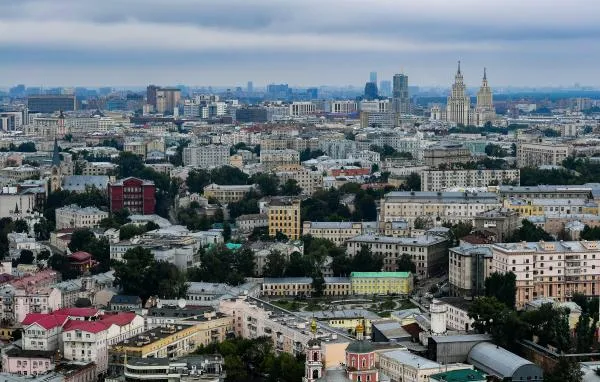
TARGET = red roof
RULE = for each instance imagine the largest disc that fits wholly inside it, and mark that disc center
(86, 326)
(80, 256)
(119, 319)
(77, 312)
(45, 320)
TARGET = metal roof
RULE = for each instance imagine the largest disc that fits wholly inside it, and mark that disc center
(495, 360)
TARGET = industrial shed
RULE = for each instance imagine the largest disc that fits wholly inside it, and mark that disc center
(499, 362)
(453, 348)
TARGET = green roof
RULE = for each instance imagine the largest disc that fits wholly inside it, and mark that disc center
(464, 375)
(380, 274)
(233, 246)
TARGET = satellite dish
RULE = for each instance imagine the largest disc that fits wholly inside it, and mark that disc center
(181, 303)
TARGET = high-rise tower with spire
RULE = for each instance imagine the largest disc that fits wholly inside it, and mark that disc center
(484, 110)
(459, 102)
(55, 170)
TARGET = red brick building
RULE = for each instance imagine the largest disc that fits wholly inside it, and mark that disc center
(136, 195)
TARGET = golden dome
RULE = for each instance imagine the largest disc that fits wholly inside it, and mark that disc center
(313, 326)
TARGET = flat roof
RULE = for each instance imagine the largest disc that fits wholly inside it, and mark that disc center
(381, 274)
(407, 358)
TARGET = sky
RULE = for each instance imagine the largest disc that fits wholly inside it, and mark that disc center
(303, 43)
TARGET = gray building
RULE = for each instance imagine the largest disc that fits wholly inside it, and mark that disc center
(400, 98)
(502, 364)
(51, 103)
(501, 222)
(453, 349)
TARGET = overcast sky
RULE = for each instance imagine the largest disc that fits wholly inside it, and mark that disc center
(305, 43)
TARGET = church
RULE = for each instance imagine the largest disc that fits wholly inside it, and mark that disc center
(458, 107)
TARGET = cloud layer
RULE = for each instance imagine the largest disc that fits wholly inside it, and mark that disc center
(226, 42)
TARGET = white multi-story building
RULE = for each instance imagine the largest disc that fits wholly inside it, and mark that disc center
(206, 157)
(310, 181)
(542, 153)
(341, 107)
(434, 180)
(338, 232)
(438, 207)
(271, 159)
(298, 109)
(404, 366)
(376, 106)
(98, 168)
(74, 216)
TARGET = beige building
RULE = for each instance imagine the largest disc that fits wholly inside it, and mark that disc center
(501, 222)
(447, 153)
(438, 180)
(74, 216)
(484, 109)
(550, 269)
(271, 159)
(17, 174)
(404, 366)
(284, 216)
(309, 181)
(438, 207)
(338, 232)
(459, 103)
(167, 99)
(429, 253)
(135, 147)
(227, 193)
(98, 168)
(542, 153)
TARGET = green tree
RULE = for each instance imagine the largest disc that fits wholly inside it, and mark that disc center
(245, 262)
(80, 239)
(197, 179)
(494, 150)
(529, 232)
(291, 188)
(44, 255)
(21, 226)
(502, 286)
(566, 370)
(128, 231)
(406, 264)
(42, 230)
(226, 232)
(413, 182)
(26, 257)
(484, 311)
(298, 266)
(129, 164)
(275, 265)
(585, 331)
(365, 261)
(268, 184)
(228, 175)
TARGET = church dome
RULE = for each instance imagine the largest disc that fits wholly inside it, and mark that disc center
(360, 347)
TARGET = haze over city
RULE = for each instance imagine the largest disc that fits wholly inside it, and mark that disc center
(228, 42)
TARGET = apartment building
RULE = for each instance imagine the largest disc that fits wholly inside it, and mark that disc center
(173, 341)
(550, 269)
(298, 109)
(206, 157)
(98, 168)
(469, 266)
(271, 159)
(74, 216)
(542, 153)
(310, 181)
(303, 286)
(548, 192)
(447, 153)
(457, 312)
(338, 232)
(540, 207)
(429, 253)
(378, 283)
(284, 216)
(501, 222)
(247, 223)
(20, 173)
(226, 193)
(438, 180)
(451, 207)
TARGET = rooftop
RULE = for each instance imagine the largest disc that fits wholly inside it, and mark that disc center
(421, 240)
(464, 375)
(412, 360)
(402, 275)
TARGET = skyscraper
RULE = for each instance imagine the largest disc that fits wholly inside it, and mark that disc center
(385, 88)
(400, 99)
(250, 87)
(459, 102)
(151, 95)
(484, 111)
(371, 92)
(373, 77)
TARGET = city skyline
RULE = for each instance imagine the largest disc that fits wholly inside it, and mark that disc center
(90, 43)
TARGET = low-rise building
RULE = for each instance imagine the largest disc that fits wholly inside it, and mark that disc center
(227, 193)
(338, 232)
(402, 365)
(469, 266)
(247, 223)
(457, 313)
(501, 222)
(447, 153)
(438, 180)
(378, 283)
(74, 216)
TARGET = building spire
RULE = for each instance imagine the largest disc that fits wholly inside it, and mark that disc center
(484, 74)
(55, 154)
(458, 71)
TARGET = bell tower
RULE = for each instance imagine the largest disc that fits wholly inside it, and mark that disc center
(55, 170)
(313, 369)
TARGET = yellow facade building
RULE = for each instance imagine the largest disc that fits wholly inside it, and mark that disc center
(284, 216)
(373, 283)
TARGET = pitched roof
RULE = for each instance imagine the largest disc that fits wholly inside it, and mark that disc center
(119, 319)
(45, 320)
(77, 312)
(86, 326)
(80, 256)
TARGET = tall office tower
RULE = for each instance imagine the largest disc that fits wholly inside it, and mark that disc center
(385, 88)
(250, 87)
(167, 99)
(151, 95)
(484, 110)
(371, 92)
(373, 77)
(51, 103)
(459, 102)
(401, 101)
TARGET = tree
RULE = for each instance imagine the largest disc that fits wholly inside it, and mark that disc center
(42, 230)
(228, 175)
(406, 264)
(502, 286)
(268, 184)
(484, 311)
(298, 266)
(275, 265)
(80, 239)
(365, 261)
(26, 257)
(566, 370)
(220, 264)
(365, 207)
(291, 188)
(21, 226)
(413, 182)
(529, 232)
(226, 232)
(494, 150)
(197, 179)
(244, 262)
(128, 231)
(318, 285)
(584, 333)
(44, 255)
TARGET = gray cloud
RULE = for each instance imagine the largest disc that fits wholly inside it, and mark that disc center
(266, 36)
